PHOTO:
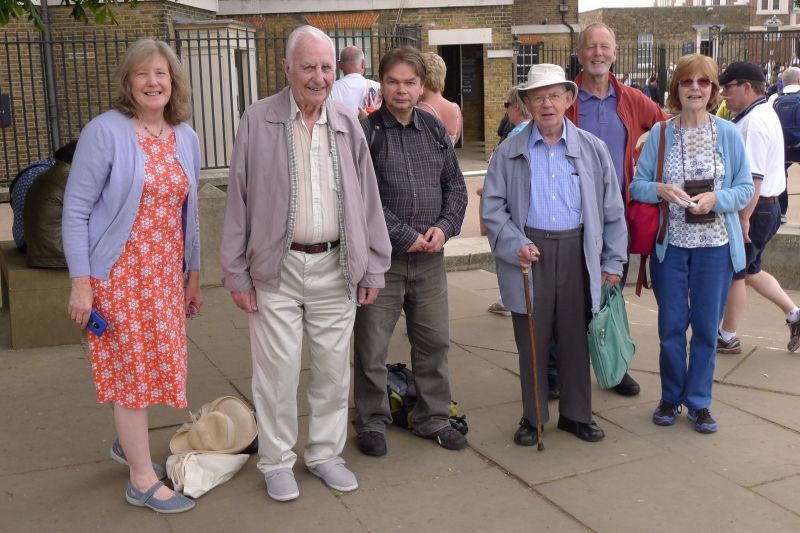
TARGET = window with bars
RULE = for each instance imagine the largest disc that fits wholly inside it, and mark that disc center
(361, 37)
(770, 6)
(644, 51)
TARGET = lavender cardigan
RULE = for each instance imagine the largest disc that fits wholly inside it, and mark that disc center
(103, 192)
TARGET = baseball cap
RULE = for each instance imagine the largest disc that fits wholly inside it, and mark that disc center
(741, 70)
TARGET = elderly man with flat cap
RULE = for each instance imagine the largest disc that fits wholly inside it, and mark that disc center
(551, 203)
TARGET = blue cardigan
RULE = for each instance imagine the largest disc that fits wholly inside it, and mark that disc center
(737, 186)
(103, 192)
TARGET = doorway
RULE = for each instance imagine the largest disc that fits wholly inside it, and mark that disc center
(464, 86)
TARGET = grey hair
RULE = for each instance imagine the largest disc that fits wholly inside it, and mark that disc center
(515, 100)
(791, 76)
(309, 32)
(352, 55)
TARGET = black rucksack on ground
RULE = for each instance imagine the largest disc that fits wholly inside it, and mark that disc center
(403, 398)
(787, 107)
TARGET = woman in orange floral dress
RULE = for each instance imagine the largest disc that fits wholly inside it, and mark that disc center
(130, 234)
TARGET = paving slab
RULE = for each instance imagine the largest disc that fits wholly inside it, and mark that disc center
(492, 431)
(784, 492)
(495, 502)
(732, 452)
(776, 407)
(474, 332)
(665, 493)
(507, 360)
(470, 373)
(69, 499)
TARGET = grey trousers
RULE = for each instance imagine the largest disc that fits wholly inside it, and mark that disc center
(417, 284)
(561, 310)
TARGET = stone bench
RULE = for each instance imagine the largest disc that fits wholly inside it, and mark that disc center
(36, 300)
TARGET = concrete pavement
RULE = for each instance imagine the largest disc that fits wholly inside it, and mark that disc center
(55, 473)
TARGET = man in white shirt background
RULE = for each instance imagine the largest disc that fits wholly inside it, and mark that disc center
(743, 87)
(353, 90)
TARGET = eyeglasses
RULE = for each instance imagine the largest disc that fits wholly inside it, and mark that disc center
(553, 97)
(506, 104)
(703, 83)
(728, 85)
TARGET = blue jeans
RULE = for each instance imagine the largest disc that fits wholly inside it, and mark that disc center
(691, 287)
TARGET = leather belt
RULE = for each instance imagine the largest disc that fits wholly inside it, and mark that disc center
(768, 199)
(314, 248)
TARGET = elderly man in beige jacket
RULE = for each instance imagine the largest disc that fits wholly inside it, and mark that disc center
(304, 243)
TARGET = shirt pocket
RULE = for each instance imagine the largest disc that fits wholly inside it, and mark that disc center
(572, 188)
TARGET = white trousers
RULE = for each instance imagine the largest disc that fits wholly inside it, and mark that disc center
(313, 298)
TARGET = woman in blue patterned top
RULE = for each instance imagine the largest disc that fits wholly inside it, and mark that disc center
(706, 181)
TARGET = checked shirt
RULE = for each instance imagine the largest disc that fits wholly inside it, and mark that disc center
(420, 183)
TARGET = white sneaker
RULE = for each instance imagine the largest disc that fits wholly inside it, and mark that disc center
(281, 485)
(335, 475)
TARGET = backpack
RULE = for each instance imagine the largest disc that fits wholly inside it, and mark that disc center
(787, 108)
(403, 397)
(377, 137)
(14, 182)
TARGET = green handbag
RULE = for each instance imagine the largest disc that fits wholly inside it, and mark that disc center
(610, 345)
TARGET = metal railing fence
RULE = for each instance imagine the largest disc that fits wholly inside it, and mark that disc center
(768, 49)
(228, 69)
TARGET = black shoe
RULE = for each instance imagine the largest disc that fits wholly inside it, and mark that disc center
(448, 438)
(526, 434)
(371, 443)
(590, 432)
(627, 387)
(553, 387)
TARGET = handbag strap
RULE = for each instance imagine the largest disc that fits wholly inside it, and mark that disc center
(641, 279)
(662, 140)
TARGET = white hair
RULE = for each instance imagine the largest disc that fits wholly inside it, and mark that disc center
(515, 100)
(309, 32)
(791, 76)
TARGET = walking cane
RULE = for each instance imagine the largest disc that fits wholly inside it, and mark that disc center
(539, 428)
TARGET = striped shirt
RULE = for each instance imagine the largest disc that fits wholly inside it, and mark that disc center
(555, 202)
(317, 203)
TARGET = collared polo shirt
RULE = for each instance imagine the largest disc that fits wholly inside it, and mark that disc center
(600, 118)
(763, 139)
(555, 202)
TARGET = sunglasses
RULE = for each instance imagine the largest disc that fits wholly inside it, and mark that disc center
(703, 83)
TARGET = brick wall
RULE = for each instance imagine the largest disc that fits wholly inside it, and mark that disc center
(84, 58)
(670, 25)
(478, 117)
(538, 11)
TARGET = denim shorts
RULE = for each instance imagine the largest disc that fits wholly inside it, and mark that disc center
(764, 224)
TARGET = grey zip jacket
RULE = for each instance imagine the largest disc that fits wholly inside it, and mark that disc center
(262, 196)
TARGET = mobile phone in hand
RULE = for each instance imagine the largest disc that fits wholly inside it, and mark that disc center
(688, 203)
(97, 323)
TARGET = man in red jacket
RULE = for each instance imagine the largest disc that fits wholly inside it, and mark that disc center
(616, 113)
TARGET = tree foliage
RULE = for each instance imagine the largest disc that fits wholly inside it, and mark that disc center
(99, 11)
